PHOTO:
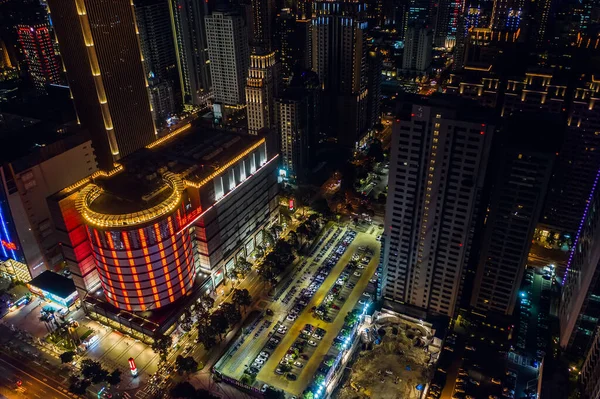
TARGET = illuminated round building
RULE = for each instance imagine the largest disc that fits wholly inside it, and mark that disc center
(143, 257)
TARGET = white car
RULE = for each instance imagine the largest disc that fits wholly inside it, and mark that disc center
(361, 266)
(298, 364)
(291, 317)
(357, 274)
(259, 361)
(312, 343)
(264, 354)
(264, 388)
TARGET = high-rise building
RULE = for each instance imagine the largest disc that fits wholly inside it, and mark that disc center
(104, 68)
(285, 41)
(160, 61)
(418, 45)
(261, 90)
(507, 15)
(43, 163)
(42, 61)
(187, 20)
(439, 154)
(579, 309)
(297, 122)
(445, 20)
(539, 91)
(577, 162)
(263, 22)
(519, 183)
(374, 68)
(590, 371)
(229, 56)
(339, 48)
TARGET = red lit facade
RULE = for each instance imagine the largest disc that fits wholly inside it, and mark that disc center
(144, 268)
(42, 61)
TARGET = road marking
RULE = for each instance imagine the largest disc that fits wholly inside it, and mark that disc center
(26, 373)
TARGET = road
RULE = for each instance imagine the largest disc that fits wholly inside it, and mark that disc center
(267, 373)
(34, 383)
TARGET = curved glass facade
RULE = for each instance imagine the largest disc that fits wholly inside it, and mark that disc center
(144, 268)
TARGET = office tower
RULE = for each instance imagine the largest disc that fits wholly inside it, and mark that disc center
(468, 18)
(339, 57)
(529, 146)
(167, 226)
(439, 154)
(229, 56)
(577, 162)
(261, 90)
(297, 122)
(36, 166)
(285, 41)
(105, 73)
(42, 62)
(444, 20)
(192, 50)
(263, 21)
(538, 91)
(374, 67)
(507, 15)
(160, 62)
(590, 371)
(579, 309)
(417, 48)
(304, 43)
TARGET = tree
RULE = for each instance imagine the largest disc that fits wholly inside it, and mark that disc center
(231, 312)
(114, 378)
(268, 238)
(303, 231)
(206, 302)
(241, 298)
(382, 198)
(322, 207)
(219, 322)
(207, 335)
(376, 151)
(162, 345)
(67, 357)
(293, 239)
(90, 368)
(308, 395)
(78, 386)
(186, 364)
(183, 390)
(272, 393)
(266, 271)
(242, 267)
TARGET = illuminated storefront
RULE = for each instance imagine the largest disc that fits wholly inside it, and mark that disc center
(12, 260)
(54, 287)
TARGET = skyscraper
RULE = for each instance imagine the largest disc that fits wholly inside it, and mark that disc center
(339, 50)
(579, 309)
(106, 76)
(297, 122)
(590, 371)
(519, 188)
(507, 15)
(263, 21)
(261, 90)
(285, 41)
(577, 162)
(375, 65)
(187, 20)
(418, 43)
(439, 155)
(38, 48)
(229, 56)
(158, 49)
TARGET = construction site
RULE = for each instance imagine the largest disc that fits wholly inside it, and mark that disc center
(396, 360)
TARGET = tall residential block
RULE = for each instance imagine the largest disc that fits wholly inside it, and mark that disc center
(104, 68)
(418, 45)
(523, 169)
(297, 113)
(579, 309)
(577, 162)
(42, 61)
(439, 155)
(160, 61)
(339, 50)
(589, 377)
(263, 22)
(229, 56)
(187, 21)
(261, 90)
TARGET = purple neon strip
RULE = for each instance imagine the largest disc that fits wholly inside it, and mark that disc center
(587, 208)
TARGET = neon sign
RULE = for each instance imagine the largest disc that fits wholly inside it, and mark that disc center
(9, 245)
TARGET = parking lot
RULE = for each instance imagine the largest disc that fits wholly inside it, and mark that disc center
(284, 347)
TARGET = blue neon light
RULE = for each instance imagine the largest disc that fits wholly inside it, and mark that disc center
(5, 229)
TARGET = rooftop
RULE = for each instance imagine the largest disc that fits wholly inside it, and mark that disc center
(54, 283)
(194, 154)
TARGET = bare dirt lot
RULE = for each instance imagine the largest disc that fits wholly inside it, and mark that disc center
(396, 368)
